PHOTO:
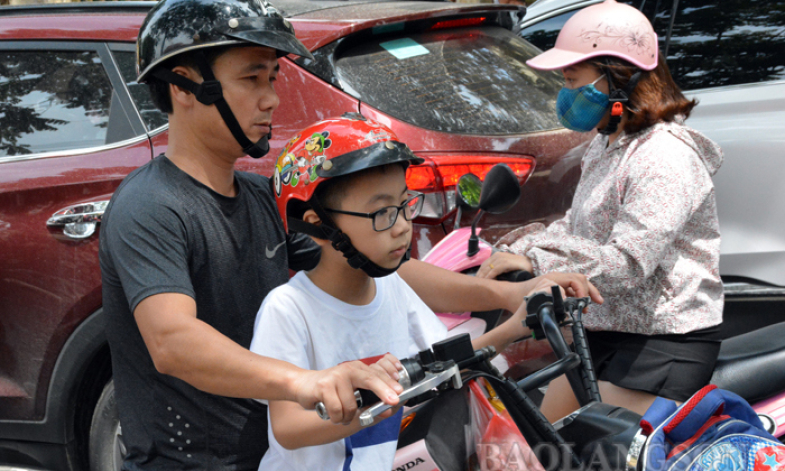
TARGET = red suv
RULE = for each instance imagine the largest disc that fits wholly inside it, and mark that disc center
(449, 79)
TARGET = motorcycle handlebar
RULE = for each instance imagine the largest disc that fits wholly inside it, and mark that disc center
(516, 276)
(546, 313)
(428, 370)
(550, 372)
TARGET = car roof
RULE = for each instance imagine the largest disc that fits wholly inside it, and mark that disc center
(542, 9)
(97, 21)
(317, 22)
(316, 28)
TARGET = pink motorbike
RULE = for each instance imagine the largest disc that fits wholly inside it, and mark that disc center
(749, 365)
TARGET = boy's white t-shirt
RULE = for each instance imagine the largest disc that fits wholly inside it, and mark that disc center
(301, 324)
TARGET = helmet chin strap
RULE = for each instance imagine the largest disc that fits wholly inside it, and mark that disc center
(209, 92)
(618, 98)
(341, 242)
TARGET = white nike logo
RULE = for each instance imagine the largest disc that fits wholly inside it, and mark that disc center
(271, 253)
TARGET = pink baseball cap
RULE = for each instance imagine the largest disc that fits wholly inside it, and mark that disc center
(606, 29)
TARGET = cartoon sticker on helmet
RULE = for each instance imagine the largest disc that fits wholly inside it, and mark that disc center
(318, 142)
(283, 170)
(292, 169)
(316, 162)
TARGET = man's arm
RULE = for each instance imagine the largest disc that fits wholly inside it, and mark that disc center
(446, 291)
(295, 427)
(188, 349)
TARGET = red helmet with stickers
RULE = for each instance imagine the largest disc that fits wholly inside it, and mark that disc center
(332, 148)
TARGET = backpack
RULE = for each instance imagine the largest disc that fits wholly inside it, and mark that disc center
(715, 430)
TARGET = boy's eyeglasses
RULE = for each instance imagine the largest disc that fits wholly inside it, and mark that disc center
(385, 218)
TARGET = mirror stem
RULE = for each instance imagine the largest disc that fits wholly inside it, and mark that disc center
(458, 215)
(474, 241)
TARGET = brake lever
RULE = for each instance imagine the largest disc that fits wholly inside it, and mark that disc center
(431, 381)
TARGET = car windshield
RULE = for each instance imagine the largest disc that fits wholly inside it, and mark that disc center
(466, 80)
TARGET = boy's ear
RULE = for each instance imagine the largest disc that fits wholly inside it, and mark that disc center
(311, 217)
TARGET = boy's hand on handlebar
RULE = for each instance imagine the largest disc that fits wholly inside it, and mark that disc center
(335, 388)
(503, 262)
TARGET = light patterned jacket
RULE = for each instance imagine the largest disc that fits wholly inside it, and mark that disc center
(643, 227)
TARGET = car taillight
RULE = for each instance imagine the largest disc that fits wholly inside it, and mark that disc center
(458, 23)
(438, 175)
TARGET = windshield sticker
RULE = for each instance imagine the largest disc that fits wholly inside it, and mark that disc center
(404, 48)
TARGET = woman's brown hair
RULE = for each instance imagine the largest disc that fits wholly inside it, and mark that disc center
(656, 96)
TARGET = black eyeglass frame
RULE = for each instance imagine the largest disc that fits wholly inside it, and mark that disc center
(402, 208)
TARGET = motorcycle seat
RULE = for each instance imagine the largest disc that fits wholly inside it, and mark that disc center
(750, 364)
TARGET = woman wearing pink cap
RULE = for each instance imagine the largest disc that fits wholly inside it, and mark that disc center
(643, 224)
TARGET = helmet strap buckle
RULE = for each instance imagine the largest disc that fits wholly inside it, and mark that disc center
(618, 99)
(208, 92)
(617, 109)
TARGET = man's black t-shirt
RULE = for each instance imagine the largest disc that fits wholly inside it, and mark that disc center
(164, 232)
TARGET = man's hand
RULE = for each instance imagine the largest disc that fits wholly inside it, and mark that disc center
(335, 388)
(389, 365)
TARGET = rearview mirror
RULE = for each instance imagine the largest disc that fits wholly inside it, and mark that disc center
(500, 191)
(468, 190)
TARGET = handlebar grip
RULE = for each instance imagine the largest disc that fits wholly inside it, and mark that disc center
(367, 397)
(581, 346)
(362, 396)
(516, 276)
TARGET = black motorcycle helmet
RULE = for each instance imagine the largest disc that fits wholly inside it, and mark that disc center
(177, 26)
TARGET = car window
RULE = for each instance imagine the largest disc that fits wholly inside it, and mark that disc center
(711, 44)
(733, 42)
(465, 80)
(54, 101)
(152, 116)
(543, 33)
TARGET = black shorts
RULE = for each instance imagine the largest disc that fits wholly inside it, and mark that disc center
(674, 366)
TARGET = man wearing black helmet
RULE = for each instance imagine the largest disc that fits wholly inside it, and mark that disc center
(189, 248)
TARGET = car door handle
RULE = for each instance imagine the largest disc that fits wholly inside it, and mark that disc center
(80, 220)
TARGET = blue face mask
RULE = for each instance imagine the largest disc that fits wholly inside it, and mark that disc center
(581, 109)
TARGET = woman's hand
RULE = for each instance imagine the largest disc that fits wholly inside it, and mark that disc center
(503, 262)
(573, 285)
(576, 285)
(543, 285)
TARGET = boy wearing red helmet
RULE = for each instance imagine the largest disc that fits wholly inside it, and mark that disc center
(353, 304)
